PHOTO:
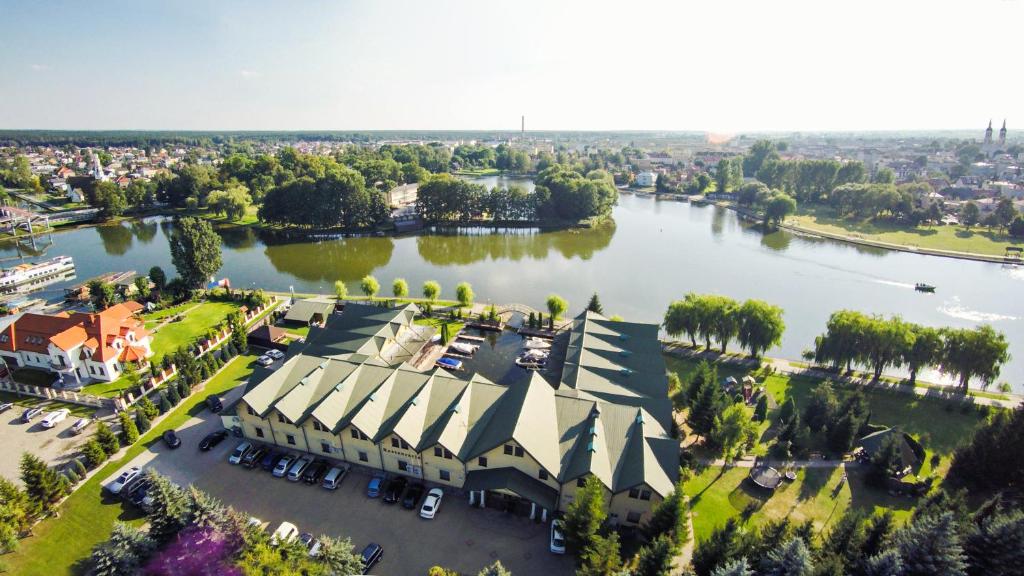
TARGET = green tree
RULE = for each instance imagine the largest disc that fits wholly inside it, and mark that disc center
(108, 441)
(369, 286)
(142, 287)
(339, 556)
(655, 559)
(101, 294)
(496, 569)
(887, 563)
(170, 511)
(984, 464)
(556, 307)
(760, 326)
(737, 567)
(147, 406)
(431, 290)
(778, 207)
(399, 288)
(585, 515)
(124, 552)
(15, 514)
(669, 517)
(233, 202)
(129, 433)
(340, 290)
(601, 557)
(94, 453)
(821, 408)
(464, 294)
(195, 251)
(995, 543)
(595, 304)
(684, 316)
(791, 559)
(970, 215)
(159, 278)
(239, 336)
(42, 483)
(931, 545)
(109, 198)
(925, 349)
(974, 353)
(142, 423)
(707, 407)
(734, 431)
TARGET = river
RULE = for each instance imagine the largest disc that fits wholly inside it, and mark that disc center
(655, 251)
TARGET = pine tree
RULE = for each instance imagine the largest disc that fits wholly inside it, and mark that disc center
(340, 556)
(172, 395)
(129, 432)
(15, 514)
(42, 483)
(72, 476)
(496, 569)
(876, 533)
(147, 406)
(930, 545)
(844, 541)
(184, 390)
(669, 517)
(585, 515)
(124, 553)
(790, 559)
(655, 559)
(787, 411)
(887, 563)
(705, 374)
(107, 439)
(996, 544)
(93, 453)
(601, 557)
(708, 406)
(206, 511)
(595, 304)
(170, 510)
(721, 547)
(79, 467)
(734, 568)
(761, 409)
(531, 321)
(142, 423)
(165, 404)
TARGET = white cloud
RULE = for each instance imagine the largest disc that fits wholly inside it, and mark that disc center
(244, 73)
(39, 67)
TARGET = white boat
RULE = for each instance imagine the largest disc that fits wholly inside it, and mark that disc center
(535, 355)
(537, 343)
(530, 364)
(24, 277)
(463, 348)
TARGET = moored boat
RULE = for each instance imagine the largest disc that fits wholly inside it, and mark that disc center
(536, 343)
(449, 363)
(922, 287)
(25, 277)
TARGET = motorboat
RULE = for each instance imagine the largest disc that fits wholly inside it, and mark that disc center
(535, 355)
(450, 363)
(531, 364)
(537, 343)
(463, 348)
(922, 287)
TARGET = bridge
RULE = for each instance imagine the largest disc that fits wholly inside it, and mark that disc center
(12, 218)
(521, 308)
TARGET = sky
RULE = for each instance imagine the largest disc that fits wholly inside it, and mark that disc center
(723, 66)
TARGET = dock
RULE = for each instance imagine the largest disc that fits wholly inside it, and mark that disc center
(470, 338)
(546, 334)
(458, 355)
(486, 326)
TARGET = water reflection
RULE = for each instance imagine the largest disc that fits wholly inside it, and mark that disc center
(475, 245)
(347, 259)
(718, 220)
(238, 239)
(117, 238)
(144, 230)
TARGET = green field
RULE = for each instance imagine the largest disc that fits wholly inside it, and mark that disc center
(196, 322)
(58, 545)
(953, 238)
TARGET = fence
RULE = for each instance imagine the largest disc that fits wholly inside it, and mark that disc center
(60, 395)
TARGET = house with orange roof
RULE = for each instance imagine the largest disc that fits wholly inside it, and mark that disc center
(79, 347)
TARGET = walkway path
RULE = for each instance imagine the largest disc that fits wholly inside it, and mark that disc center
(170, 317)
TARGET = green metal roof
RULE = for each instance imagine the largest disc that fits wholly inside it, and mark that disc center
(514, 481)
(304, 310)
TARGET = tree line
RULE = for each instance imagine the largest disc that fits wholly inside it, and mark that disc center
(852, 338)
(755, 324)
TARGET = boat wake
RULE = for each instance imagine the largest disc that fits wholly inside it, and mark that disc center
(892, 283)
(955, 309)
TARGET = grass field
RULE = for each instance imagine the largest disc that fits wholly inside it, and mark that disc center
(207, 315)
(59, 544)
(954, 238)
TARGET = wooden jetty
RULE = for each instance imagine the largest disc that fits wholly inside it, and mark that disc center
(488, 326)
(458, 355)
(471, 338)
(547, 334)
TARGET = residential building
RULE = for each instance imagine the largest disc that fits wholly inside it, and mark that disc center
(352, 395)
(646, 179)
(78, 347)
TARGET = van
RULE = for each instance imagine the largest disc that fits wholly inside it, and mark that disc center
(240, 451)
(295, 472)
(334, 477)
(285, 532)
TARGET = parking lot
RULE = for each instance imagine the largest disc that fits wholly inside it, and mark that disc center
(461, 538)
(54, 445)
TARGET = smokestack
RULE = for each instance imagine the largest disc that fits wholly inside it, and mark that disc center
(522, 123)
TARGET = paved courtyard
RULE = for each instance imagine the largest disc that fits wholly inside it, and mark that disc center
(460, 537)
(56, 445)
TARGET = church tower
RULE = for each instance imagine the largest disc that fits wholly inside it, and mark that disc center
(988, 134)
(1002, 134)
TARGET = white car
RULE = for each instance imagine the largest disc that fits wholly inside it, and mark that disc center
(127, 476)
(275, 354)
(431, 503)
(239, 453)
(79, 426)
(265, 361)
(285, 532)
(55, 417)
(283, 465)
(557, 537)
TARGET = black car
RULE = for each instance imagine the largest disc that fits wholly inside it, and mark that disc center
(214, 404)
(371, 555)
(252, 457)
(139, 492)
(315, 473)
(212, 439)
(412, 495)
(171, 439)
(134, 485)
(270, 459)
(394, 489)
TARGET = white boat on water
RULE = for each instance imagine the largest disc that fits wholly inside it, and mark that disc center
(537, 343)
(26, 277)
(530, 364)
(463, 348)
(535, 355)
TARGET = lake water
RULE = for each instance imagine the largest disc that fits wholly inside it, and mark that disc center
(654, 252)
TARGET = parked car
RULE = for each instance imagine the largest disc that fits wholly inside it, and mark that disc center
(214, 404)
(431, 503)
(371, 555)
(117, 484)
(138, 496)
(30, 413)
(300, 465)
(275, 354)
(286, 531)
(55, 417)
(132, 486)
(270, 459)
(557, 536)
(412, 495)
(171, 439)
(240, 451)
(281, 469)
(80, 426)
(315, 472)
(253, 457)
(255, 522)
(265, 361)
(394, 489)
(311, 543)
(376, 486)
(6, 406)
(334, 477)
(212, 439)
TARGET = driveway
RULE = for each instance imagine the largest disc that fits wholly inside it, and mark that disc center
(56, 446)
(461, 538)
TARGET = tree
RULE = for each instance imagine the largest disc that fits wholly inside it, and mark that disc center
(464, 294)
(760, 326)
(969, 215)
(984, 463)
(734, 430)
(159, 278)
(142, 423)
(124, 552)
(996, 543)
(721, 547)
(924, 350)
(239, 336)
(655, 559)
(101, 294)
(790, 559)
(339, 556)
(595, 304)
(431, 290)
(340, 290)
(1017, 227)
(15, 514)
(142, 287)
(129, 433)
(669, 517)
(930, 545)
(108, 441)
(109, 198)
(94, 453)
(974, 353)
(585, 515)
(684, 316)
(556, 307)
(707, 407)
(369, 286)
(170, 511)
(233, 202)
(195, 251)
(734, 568)
(821, 407)
(752, 193)
(399, 288)
(147, 406)
(778, 207)
(42, 483)
(601, 557)
(496, 569)
(887, 563)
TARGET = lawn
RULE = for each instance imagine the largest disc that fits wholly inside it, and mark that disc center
(954, 238)
(58, 545)
(196, 322)
(154, 318)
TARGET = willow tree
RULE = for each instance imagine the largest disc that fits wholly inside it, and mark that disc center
(760, 326)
